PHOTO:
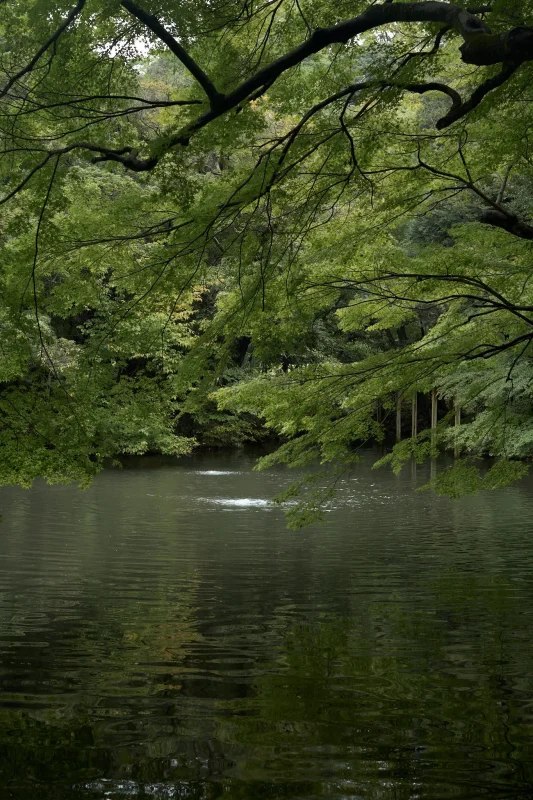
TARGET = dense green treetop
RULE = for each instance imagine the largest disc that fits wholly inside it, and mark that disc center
(341, 171)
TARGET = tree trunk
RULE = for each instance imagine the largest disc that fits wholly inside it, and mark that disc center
(434, 418)
(456, 449)
(399, 417)
(434, 410)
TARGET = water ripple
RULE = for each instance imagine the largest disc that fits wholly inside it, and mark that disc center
(157, 641)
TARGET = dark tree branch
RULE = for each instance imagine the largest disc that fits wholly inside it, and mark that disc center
(161, 32)
(426, 53)
(432, 86)
(515, 45)
(374, 17)
(508, 222)
(459, 111)
(49, 43)
(492, 349)
(452, 16)
(26, 179)
(76, 101)
(496, 215)
(128, 156)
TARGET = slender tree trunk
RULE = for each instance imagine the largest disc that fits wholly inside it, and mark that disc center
(434, 420)
(456, 449)
(434, 410)
(399, 417)
(414, 415)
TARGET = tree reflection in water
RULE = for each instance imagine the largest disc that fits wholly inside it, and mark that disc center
(155, 655)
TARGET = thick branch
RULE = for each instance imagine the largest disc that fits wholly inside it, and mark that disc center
(161, 32)
(127, 157)
(508, 222)
(515, 46)
(433, 86)
(467, 24)
(461, 110)
(375, 16)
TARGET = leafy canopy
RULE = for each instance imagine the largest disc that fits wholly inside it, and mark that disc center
(345, 186)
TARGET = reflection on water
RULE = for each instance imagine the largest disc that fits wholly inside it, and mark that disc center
(163, 636)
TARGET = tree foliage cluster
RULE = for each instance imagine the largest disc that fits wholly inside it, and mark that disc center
(298, 211)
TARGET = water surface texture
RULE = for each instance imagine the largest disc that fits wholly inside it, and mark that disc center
(162, 635)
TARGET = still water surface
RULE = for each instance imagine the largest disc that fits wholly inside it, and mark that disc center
(162, 635)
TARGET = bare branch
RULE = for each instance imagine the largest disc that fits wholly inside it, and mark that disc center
(492, 349)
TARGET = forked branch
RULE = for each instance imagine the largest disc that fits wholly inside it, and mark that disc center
(175, 47)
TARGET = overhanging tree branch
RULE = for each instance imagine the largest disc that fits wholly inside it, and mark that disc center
(496, 214)
(459, 111)
(507, 222)
(175, 47)
(46, 46)
(469, 26)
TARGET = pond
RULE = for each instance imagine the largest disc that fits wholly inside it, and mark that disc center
(163, 635)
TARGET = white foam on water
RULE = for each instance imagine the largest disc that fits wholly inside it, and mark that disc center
(215, 472)
(244, 502)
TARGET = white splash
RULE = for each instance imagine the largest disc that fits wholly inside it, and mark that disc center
(215, 472)
(243, 502)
